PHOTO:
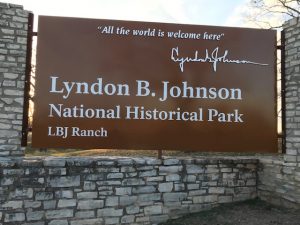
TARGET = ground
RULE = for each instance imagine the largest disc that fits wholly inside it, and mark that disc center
(252, 212)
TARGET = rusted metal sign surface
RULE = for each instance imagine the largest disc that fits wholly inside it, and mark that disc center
(137, 85)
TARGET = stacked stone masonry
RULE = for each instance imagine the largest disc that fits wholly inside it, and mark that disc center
(279, 178)
(292, 92)
(279, 182)
(13, 41)
(94, 191)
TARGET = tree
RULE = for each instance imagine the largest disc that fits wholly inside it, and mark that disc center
(272, 13)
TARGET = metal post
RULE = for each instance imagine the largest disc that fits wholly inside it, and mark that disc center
(159, 155)
(283, 108)
(27, 80)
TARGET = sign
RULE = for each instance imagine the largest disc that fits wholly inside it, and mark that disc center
(139, 85)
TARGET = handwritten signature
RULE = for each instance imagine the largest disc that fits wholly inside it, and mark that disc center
(212, 57)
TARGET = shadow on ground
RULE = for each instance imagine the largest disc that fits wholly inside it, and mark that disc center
(251, 212)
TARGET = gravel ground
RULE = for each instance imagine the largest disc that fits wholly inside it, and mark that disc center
(254, 212)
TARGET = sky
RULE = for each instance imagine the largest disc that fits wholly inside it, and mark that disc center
(201, 12)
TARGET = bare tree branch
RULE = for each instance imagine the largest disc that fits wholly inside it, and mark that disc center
(272, 14)
(288, 7)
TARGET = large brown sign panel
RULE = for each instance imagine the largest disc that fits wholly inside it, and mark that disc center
(139, 85)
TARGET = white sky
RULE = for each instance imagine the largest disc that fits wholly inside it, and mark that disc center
(201, 12)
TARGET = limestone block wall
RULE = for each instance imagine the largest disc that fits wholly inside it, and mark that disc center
(13, 41)
(278, 183)
(279, 178)
(95, 191)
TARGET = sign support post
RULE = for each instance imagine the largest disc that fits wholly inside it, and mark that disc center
(30, 34)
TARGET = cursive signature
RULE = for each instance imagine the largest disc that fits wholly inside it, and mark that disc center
(212, 57)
